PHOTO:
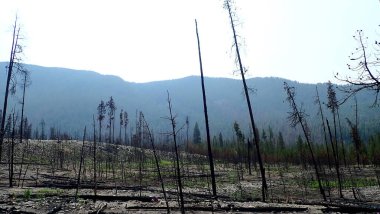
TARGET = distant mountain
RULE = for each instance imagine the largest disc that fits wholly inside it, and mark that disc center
(67, 99)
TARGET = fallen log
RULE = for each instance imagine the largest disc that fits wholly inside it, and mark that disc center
(118, 198)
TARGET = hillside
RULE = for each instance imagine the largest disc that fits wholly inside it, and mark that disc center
(67, 99)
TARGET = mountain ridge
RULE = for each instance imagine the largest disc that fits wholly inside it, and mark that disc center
(67, 99)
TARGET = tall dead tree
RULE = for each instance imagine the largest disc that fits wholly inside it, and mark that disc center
(11, 155)
(297, 116)
(25, 83)
(151, 139)
(94, 155)
(318, 101)
(111, 109)
(355, 134)
(333, 105)
(80, 164)
(264, 185)
(336, 159)
(121, 123)
(125, 115)
(101, 116)
(171, 118)
(13, 64)
(209, 149)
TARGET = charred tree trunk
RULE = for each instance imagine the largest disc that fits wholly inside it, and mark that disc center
(341, 139)
(209, 149)
(95, 182)
(318, 101)
(336, 160)
(80, 165)
(12, 150)
(22, 125)
(249, 157)
(16, 31)
(174, 134)
(298, 117)
(157, 163)
(264, 185)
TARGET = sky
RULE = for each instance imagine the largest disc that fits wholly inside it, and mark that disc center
(149, 40)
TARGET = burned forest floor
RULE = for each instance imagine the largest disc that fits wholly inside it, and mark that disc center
(45, 180)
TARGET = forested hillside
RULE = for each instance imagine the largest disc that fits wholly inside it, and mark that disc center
(66, 99)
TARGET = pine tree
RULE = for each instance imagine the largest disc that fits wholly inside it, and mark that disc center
(196, 134)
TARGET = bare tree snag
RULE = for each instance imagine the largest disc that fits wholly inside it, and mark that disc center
(15, 49)
(318, 101)
(178, 170)
(95, 182)
(151, 139)
(209, 149)
(297, 116)
(264, 185)
(80, 165)
(336, 160)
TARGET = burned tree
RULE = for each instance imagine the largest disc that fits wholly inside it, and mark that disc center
(209, 149)
(355, 135)
(13, 67)
(336, 159)
(94, 155)
(320, 111)
(125, 116)
(111, 109)
(151, 139)
(298, 116)
(101, 115)
(121, 123)
(364, 65)
(264, 185)
(174, 131)
(25, 83)
(333, 105)
(80, 164)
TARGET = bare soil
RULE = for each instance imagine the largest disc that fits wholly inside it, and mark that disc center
(48, 188)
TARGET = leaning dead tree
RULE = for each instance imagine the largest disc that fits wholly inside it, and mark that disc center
(171, 118)
(297, 116)
(365, 68)
(151, 139)
(14, 65)
(264, 185)
(211, 160)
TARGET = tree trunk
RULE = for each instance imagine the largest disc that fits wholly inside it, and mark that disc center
(157, 165)
(10, 69)
(324, 128)
(336, 160)
(174, 134)
(95, 182)
(80, 165)
(209, 149)
(264, 185)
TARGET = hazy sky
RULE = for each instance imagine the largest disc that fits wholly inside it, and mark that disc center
(145, 40)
